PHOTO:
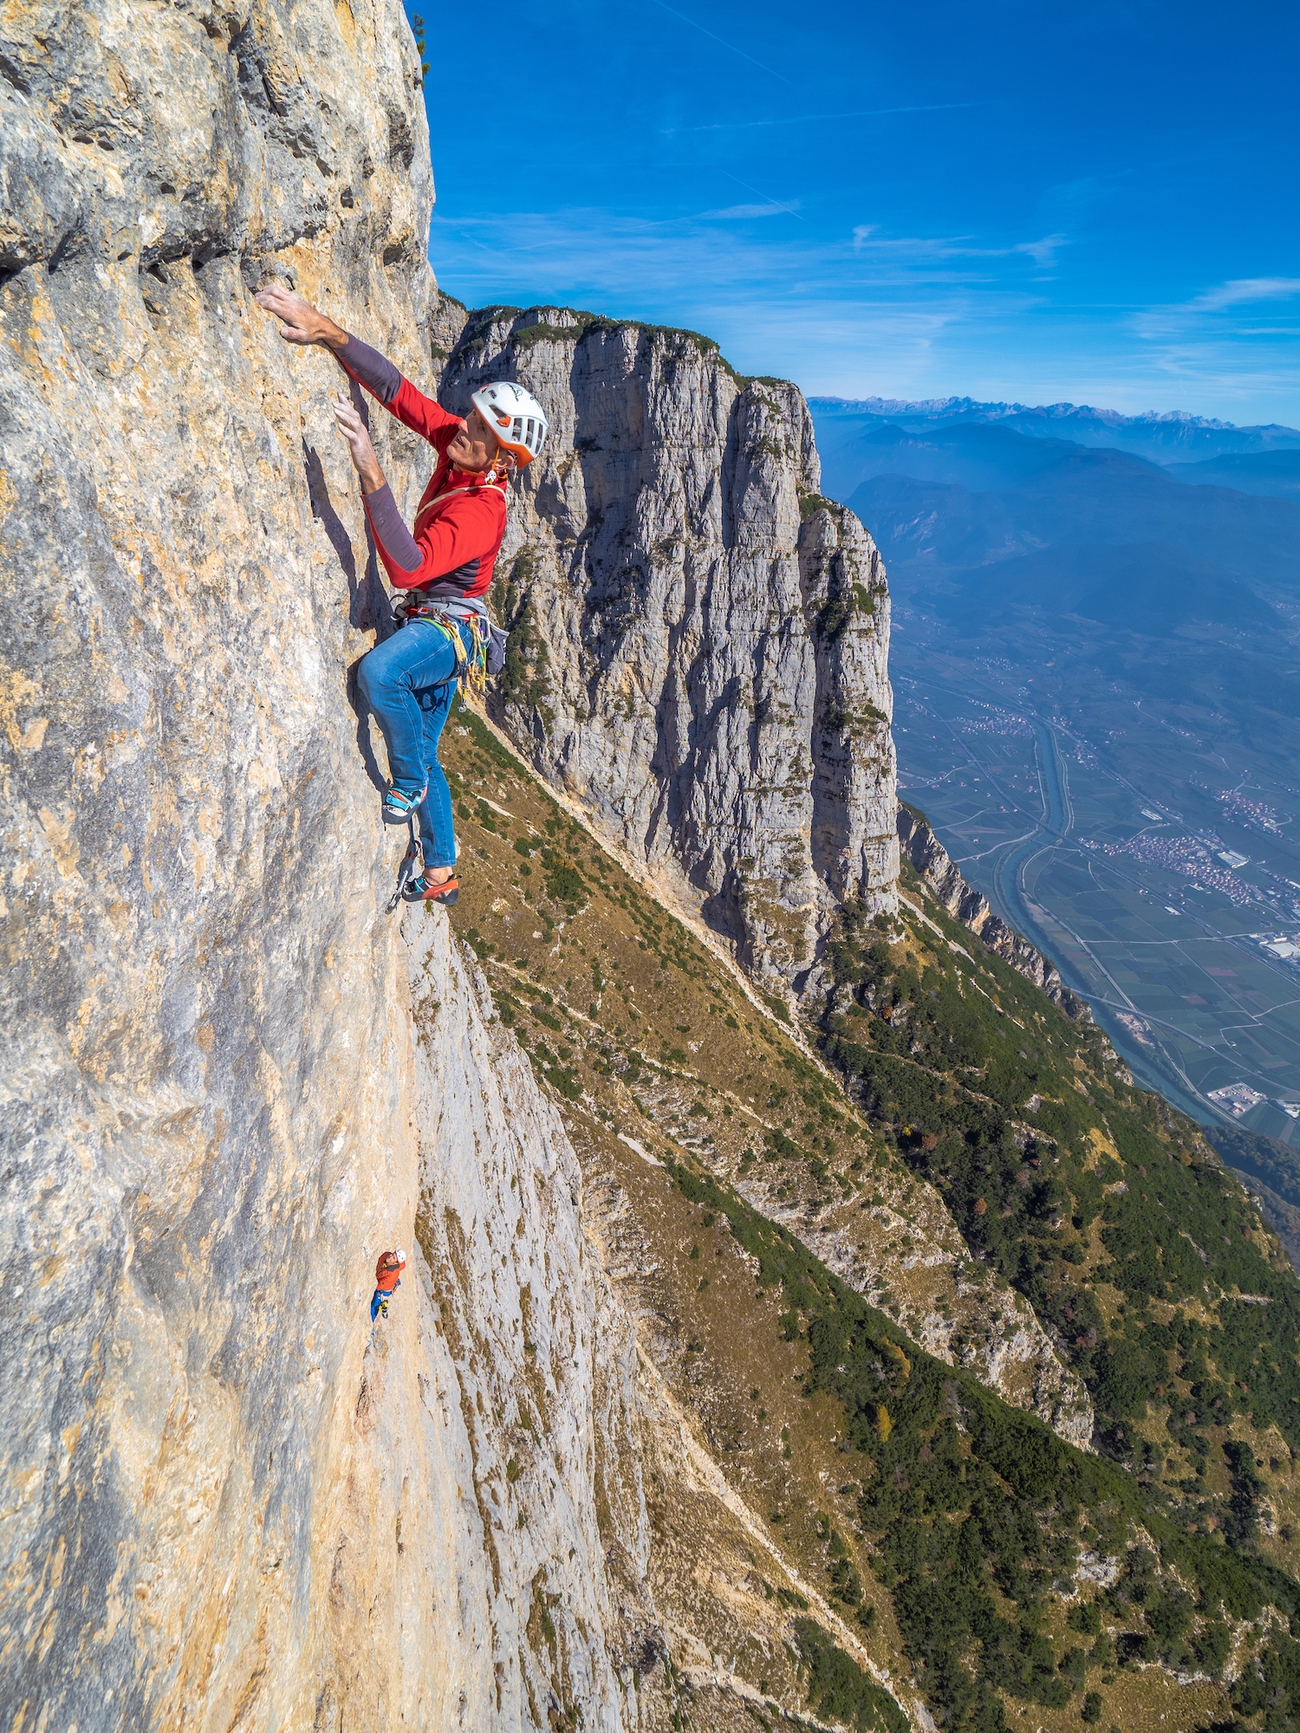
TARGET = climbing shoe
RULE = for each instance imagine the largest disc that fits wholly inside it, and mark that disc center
(383, 1308)
(423, 890)
(398, 805)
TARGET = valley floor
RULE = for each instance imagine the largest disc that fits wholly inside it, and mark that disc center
(1096, 822)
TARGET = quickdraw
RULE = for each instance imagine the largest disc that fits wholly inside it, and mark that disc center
(470, 668)
(407, 871)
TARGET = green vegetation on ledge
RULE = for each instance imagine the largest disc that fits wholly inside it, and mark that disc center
(988, 1530)
(986, 1563)
(1100, 1204)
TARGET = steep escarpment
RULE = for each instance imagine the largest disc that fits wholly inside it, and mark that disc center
(646, 1033)
(701, 640)
(770, 1234)
(931, 859)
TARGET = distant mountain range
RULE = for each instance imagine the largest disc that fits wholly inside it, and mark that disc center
(1099, 619)
(976, 518)
(1166, 438)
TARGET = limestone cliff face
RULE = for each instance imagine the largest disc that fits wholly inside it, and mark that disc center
(931, 859)
(228, 1501)
(487, 1440)
(229, 1084)
(701, 641)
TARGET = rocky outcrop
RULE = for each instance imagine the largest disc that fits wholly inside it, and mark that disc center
(931, 859)
(228, 1501)
(699, 639)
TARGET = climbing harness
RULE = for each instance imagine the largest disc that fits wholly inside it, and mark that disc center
(406, 873)
(487, 654)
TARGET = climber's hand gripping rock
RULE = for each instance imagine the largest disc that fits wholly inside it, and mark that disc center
(301, 323)
(352, 425)
(299, 320)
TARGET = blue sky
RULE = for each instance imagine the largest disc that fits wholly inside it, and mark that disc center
(1043, 202)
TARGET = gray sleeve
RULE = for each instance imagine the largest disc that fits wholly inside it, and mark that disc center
(395, 541)
(371, 369)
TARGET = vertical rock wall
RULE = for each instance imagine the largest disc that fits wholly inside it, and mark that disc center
(700, 641)
(227, 1502)
(205, 1134)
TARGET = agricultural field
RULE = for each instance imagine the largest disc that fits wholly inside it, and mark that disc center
(1146, 840)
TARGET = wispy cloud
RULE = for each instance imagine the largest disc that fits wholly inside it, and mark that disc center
(1243, 290)
(770, 209)
(867, 237)
(875, 313)
(810, 119)
(1202, 314)
(1043, 252)
(1214, 350)
(825, 315)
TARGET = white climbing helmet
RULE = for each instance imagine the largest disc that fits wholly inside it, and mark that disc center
(515, 416)
(401, 1255)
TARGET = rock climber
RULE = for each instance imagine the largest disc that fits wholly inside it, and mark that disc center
(444, 567)
(388, 1276)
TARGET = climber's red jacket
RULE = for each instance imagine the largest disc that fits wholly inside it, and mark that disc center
(386, 1278)
(462, 519)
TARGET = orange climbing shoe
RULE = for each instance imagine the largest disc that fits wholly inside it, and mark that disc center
(423, 890)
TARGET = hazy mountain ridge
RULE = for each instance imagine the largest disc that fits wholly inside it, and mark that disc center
(976, 518)
(1164, 436)
(1276, 472)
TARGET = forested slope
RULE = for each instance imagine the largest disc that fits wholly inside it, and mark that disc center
(1100, 1204)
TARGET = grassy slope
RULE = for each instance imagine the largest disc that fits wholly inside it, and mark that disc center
(1105, 1208)
(948, 1526)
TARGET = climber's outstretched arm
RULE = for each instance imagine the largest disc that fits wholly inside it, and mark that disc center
(301, 323)
(468, 529)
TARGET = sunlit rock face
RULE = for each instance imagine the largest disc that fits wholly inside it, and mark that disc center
(227, 1501)
(701, 640)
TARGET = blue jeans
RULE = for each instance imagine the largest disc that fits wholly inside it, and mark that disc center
(377, 1300)
(407, 682)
